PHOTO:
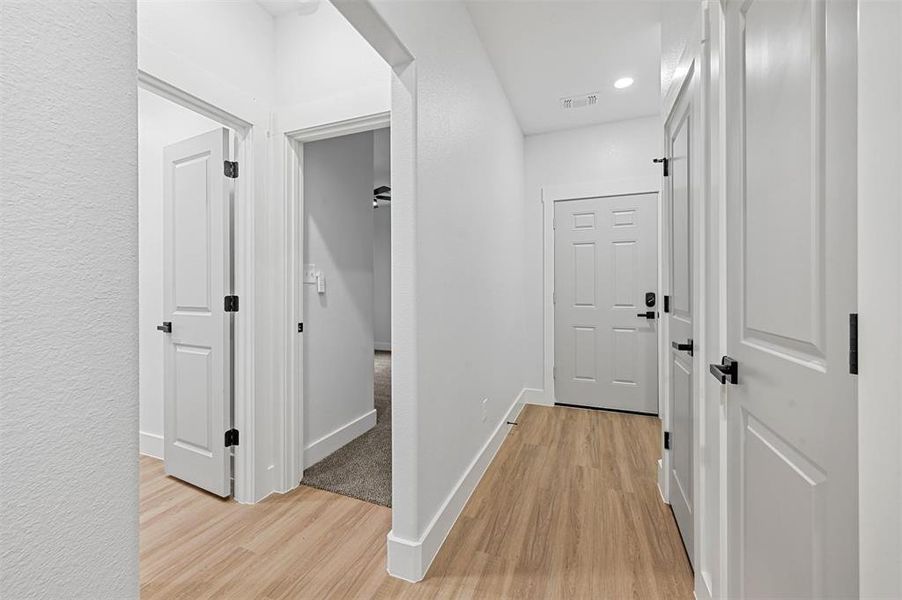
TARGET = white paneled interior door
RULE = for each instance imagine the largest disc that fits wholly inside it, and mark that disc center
(605, 340)
(196, 279)
(682, 201)
(791, 285)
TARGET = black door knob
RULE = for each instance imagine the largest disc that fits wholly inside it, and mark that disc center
(166, 327)
(648, 315)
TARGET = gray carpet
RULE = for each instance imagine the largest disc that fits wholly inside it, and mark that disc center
(362, 469)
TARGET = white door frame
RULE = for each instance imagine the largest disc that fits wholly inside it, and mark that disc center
(291, 411)
(580, 191)
(243, 396)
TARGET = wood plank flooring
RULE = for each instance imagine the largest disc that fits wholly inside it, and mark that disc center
(568, 509)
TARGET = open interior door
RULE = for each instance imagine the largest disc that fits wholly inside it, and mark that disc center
(682, 192)
(791, 286)
(196, 280)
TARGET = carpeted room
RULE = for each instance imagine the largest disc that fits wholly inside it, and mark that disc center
(362, 468)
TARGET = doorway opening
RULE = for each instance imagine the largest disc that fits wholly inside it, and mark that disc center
(189, 283)
(346, 297)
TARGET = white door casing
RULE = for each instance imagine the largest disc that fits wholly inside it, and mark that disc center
(682, 194)
(791, 285)
(605, 263)
(197, 277)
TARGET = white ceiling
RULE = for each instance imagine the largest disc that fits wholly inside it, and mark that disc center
(545, 50)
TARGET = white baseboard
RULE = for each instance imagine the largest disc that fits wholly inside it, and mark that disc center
(151, 444)
(661, 481)
(410, 559)
(536, 396)
(331, 442)
(383, 346)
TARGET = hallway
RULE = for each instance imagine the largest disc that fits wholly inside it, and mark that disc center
(568, 509)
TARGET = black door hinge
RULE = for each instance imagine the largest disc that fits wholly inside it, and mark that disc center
(853, 343)
(230, 168)
(664, 161)
(300, 328)
(231, 303)
(667, 440)
(667, 304)
(231, 437)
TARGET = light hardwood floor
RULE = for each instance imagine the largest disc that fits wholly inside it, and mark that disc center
(568, 509)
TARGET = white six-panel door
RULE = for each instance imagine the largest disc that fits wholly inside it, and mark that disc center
(791, 279)
(605, 262)
(197, 277)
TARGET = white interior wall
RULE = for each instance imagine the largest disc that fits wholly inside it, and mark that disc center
(457, 239)
(326, 72)
(68, 301)
(382, 243)
(382, 277)
(233, 43)
(338, 324)
(620, 150)
(160, 123)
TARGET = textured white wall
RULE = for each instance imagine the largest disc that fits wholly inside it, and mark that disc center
(468, 267)
(612, 151)
(160, 123)
(68, 301)
(338, 324)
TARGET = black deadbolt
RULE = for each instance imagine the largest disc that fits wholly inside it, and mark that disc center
(649, 299)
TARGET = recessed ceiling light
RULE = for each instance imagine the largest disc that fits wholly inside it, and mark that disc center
(623, 82)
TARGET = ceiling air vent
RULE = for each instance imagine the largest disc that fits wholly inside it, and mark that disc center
(579, 101)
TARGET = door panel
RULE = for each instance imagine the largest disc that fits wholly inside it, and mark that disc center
(197, 275)
(791, 284)
(681, 448)
(682, 191)
(605, 262)
(783, 226)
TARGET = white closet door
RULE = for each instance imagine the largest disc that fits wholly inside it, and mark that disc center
(197, 277)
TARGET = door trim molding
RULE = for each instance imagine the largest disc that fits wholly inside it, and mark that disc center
(579, 191)
(250, 136)
(289, 404)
